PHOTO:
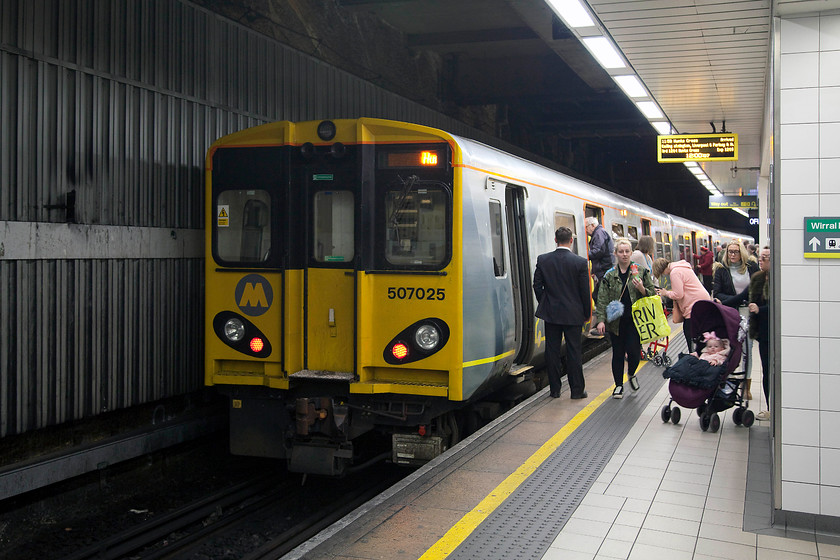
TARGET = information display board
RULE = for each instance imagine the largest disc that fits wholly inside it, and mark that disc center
(745, 202)
(678, 148)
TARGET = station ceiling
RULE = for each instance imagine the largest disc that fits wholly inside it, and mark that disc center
(706, 62)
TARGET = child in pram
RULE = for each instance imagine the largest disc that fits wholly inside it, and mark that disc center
(715, 351)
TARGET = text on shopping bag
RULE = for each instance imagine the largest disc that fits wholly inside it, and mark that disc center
(649, 319)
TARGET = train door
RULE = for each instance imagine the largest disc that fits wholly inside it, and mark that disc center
(329, 281)
(520, 273)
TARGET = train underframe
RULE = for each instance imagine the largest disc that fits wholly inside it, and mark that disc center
(315, 428)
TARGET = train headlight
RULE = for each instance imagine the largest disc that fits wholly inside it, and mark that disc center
(427, 337)
(234, 329)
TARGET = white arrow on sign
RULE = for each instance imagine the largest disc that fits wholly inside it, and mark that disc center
(814, 243)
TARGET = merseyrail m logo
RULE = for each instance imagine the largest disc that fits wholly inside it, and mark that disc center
(253, 295)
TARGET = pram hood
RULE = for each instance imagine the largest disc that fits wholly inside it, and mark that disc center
(707, 315)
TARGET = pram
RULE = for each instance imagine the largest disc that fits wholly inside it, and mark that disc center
(728, 389)
(657, 352)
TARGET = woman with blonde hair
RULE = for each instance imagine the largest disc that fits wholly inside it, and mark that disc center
(731, 287)
(622, 284)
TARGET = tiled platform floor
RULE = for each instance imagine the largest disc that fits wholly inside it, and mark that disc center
(664, 495)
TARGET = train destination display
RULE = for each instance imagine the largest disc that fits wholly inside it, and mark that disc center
(696, 147)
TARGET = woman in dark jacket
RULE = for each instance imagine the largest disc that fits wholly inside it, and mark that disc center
(731, 287)
(760, 321)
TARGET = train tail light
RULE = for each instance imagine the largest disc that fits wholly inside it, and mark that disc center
(399, 350)
(256, 345)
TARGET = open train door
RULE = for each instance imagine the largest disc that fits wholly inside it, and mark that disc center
(520, 271)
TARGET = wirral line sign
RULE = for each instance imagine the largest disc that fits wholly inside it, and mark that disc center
(822, 238)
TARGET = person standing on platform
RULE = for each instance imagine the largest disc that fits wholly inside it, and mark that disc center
(561, 286)
(760, 321)
(600, 251)
(643, 255)
(706, 262)
(731, 287)
(685, 290)
(625, 282)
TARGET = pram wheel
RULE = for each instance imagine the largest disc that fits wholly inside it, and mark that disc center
(651, 353)
(672, 414)
(738, 416)
(675, 415)
(701, 409)
(715, 424)
(748, 418)
(710, 422)
(666, 360)
(657, 360)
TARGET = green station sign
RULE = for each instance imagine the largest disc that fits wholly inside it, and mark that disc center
(822, 238)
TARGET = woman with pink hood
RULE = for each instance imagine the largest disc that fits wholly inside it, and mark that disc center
(685, 290)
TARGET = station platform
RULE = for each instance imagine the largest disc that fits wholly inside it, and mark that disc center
(598, 478)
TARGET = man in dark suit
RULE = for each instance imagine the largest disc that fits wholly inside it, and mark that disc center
(561, 284)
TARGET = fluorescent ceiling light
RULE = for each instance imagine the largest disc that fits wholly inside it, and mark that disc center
(662, 127)
(604, 52)
(631, 85)
(572, 12)
(690, 164)
(742, 212)
(649, 109)
(697, 171)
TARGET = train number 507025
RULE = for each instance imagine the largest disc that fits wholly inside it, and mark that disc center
(429, 294)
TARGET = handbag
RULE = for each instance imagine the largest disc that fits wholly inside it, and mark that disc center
(615, 308)
(650, 319)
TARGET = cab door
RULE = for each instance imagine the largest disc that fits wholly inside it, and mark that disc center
(329, 297)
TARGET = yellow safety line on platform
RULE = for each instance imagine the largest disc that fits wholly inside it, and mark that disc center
(470, 522)
(467, 524)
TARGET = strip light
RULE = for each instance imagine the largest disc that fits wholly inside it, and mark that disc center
(604, 52)
(572, 13)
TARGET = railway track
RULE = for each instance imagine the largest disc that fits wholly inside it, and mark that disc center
(261, 518)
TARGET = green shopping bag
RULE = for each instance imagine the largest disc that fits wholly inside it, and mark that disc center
(650, 319)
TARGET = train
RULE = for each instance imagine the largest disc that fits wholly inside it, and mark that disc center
(374, 277)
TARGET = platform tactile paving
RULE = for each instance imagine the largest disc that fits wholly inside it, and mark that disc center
(526, 524)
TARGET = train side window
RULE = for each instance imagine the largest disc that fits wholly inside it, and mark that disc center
(332, 219)
(660, 252)
(618, 230)
(567, 220)
(496, 237)
(416, 227)
(633, 235)
(243, 225)
(667, 246)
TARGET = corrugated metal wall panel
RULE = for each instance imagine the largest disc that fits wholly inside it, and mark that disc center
(116, 103)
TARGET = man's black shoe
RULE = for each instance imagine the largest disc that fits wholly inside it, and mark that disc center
(581, 396)
(555, 395)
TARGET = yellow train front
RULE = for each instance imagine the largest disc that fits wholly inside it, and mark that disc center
(333, 289)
